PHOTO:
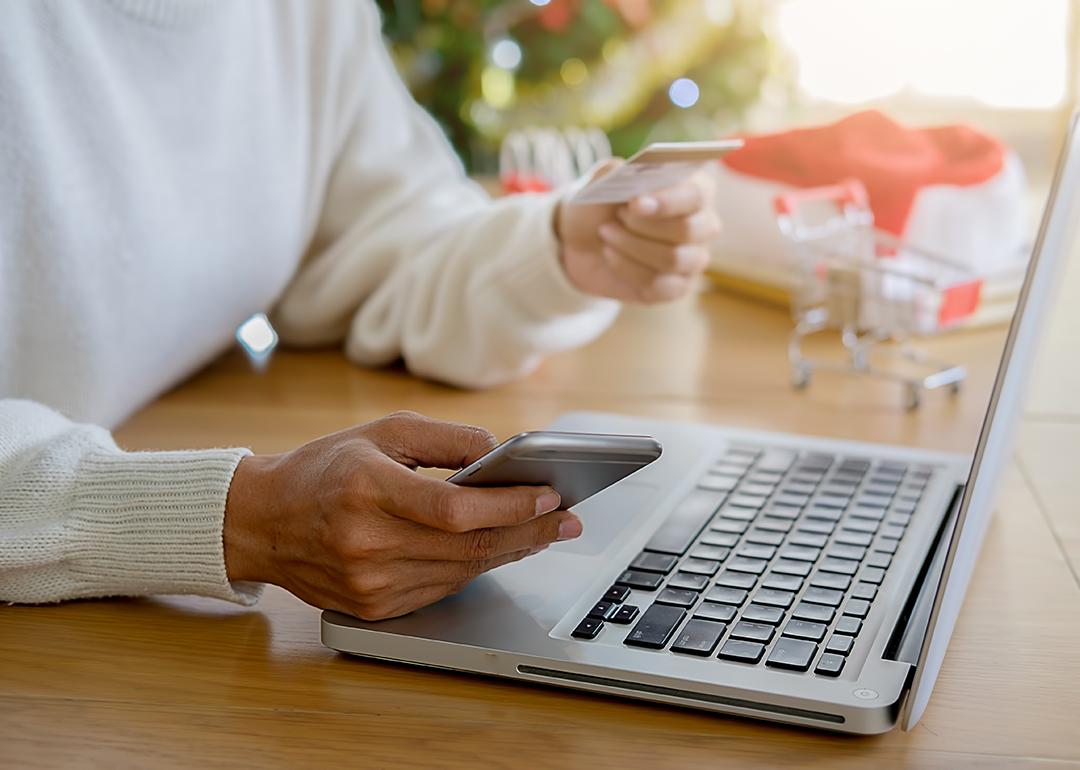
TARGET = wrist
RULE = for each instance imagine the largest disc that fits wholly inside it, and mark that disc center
(247, 510)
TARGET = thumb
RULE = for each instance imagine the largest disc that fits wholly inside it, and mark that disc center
(603, 168)
(418, 441)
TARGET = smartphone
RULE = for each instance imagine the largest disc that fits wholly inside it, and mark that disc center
(657, 166)
(576, 465)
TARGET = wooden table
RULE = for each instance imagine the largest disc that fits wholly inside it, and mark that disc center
(187, 681)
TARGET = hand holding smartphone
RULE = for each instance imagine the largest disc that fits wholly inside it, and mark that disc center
(576, 465)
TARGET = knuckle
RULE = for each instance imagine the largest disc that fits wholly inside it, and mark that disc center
(369, 584)
(448, 510)
(483, 544)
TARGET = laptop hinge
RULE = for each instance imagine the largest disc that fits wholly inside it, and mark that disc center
(907, 637)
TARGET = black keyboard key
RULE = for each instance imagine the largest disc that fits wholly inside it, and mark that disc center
(857, 607)
(843, 566)
(892, 531)
(872, 575)
(712, 552)
(764, 537)
(870, 514)
(819, 613)
(718, 482)
(775, 460)
(730, 526)
(644, 581)
(736, 579)
(742, 651)
(787, 567)
(830, 665)
(587, 629)
(761, 489)
(832, 580)
(677, 597)
(742, 564)
(782, 582)
(760, 613)
(861, 525)
(844, 551)
(617, 594)
(854, 538)
(757, 551)
(719, 539)
(751, 502)
(808, 539)
(805, 629)
(724, 613)
(832, 501)
(825, 514)
(774, 598)
(602, 610)
(683, 524)
(818, 526)
(698, 637)
(755, 632)
(656, 626)
(826, 596)
(726, 595)
(839, 644)
(800, 553)
(783, 512)
(700, 566)
(654, 562)
(688, 582)
(848, 624)
(794, 654)
(887, 546)
(625, 614)
(865, 591)
(796, 501)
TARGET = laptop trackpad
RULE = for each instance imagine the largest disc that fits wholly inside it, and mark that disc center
(609, 514)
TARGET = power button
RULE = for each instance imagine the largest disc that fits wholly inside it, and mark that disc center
(864, 693)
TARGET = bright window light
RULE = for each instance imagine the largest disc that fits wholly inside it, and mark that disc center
(1003, 53)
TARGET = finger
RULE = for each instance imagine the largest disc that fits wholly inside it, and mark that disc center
(684, 259)
(678, 201)
(442, 505)
(436, 545)
(637, 283)
(702, 227)
(415, 440)
(451, 578)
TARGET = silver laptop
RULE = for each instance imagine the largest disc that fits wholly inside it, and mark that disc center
(829, 603)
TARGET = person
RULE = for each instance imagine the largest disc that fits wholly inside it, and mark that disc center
(171, 167)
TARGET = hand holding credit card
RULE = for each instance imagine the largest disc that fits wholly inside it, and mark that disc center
(654, 168)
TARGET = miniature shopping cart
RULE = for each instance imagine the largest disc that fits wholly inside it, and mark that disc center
(876, 290)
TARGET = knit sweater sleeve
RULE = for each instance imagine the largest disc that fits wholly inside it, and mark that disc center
(411, 259)
(80, 518)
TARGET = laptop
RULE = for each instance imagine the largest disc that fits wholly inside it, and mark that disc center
(796, 579)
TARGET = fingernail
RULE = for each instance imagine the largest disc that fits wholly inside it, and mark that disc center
(607, 231)
(548, 501)
(647, 205)
(570, 528)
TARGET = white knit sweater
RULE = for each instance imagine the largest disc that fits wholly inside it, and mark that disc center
(170, 167)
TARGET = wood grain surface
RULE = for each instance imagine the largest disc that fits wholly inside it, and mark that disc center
(182, 682)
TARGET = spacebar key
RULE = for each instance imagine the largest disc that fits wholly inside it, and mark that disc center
(682, 526)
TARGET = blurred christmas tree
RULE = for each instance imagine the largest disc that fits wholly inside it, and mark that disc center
(641, 70)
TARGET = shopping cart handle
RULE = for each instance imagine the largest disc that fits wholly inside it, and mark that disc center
(848, 192)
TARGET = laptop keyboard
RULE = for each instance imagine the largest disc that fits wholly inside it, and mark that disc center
(775, 558)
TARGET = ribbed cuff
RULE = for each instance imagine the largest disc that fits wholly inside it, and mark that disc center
(535, 275)
(151, 523)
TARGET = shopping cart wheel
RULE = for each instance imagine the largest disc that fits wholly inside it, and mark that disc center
(800, 377)
(912, 397)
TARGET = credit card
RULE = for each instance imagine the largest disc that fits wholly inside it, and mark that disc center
(652, 169)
